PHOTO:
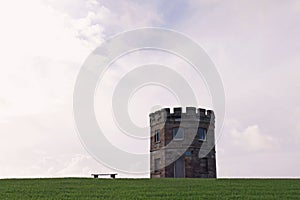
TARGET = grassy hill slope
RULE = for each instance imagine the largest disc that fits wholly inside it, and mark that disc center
(84, 188)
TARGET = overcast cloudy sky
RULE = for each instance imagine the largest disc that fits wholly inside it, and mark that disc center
(255, 46)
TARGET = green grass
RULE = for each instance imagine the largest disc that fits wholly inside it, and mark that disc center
(81, 188)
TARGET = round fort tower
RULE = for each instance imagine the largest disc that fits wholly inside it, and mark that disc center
(183, 143)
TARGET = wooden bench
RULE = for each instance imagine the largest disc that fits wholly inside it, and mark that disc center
(112, 175)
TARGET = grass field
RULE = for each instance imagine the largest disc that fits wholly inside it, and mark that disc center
(81, 188)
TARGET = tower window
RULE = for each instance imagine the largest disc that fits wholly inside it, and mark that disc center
(204, 164)
(157, 136)
(156, 164)
(202, 134)
(178, 133)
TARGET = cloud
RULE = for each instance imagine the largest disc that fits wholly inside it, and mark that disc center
(115, 16)
(89, 31)
(252, 139)
(43, 44)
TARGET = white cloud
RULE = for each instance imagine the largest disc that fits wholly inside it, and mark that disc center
(252, 139)
(42, 48)
(44, 43)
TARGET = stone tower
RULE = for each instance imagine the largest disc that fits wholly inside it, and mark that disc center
(182, 144)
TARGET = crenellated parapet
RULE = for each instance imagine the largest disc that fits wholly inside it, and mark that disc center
(191, 113)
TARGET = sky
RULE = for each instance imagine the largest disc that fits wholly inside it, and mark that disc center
(254, 45)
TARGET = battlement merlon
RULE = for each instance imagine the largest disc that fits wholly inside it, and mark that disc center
(163, 114)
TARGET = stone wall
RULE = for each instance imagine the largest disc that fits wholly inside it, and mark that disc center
(199, 156)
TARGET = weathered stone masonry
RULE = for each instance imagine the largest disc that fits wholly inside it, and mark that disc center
(183, 144)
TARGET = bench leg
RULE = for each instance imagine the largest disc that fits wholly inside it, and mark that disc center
(95, 176)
